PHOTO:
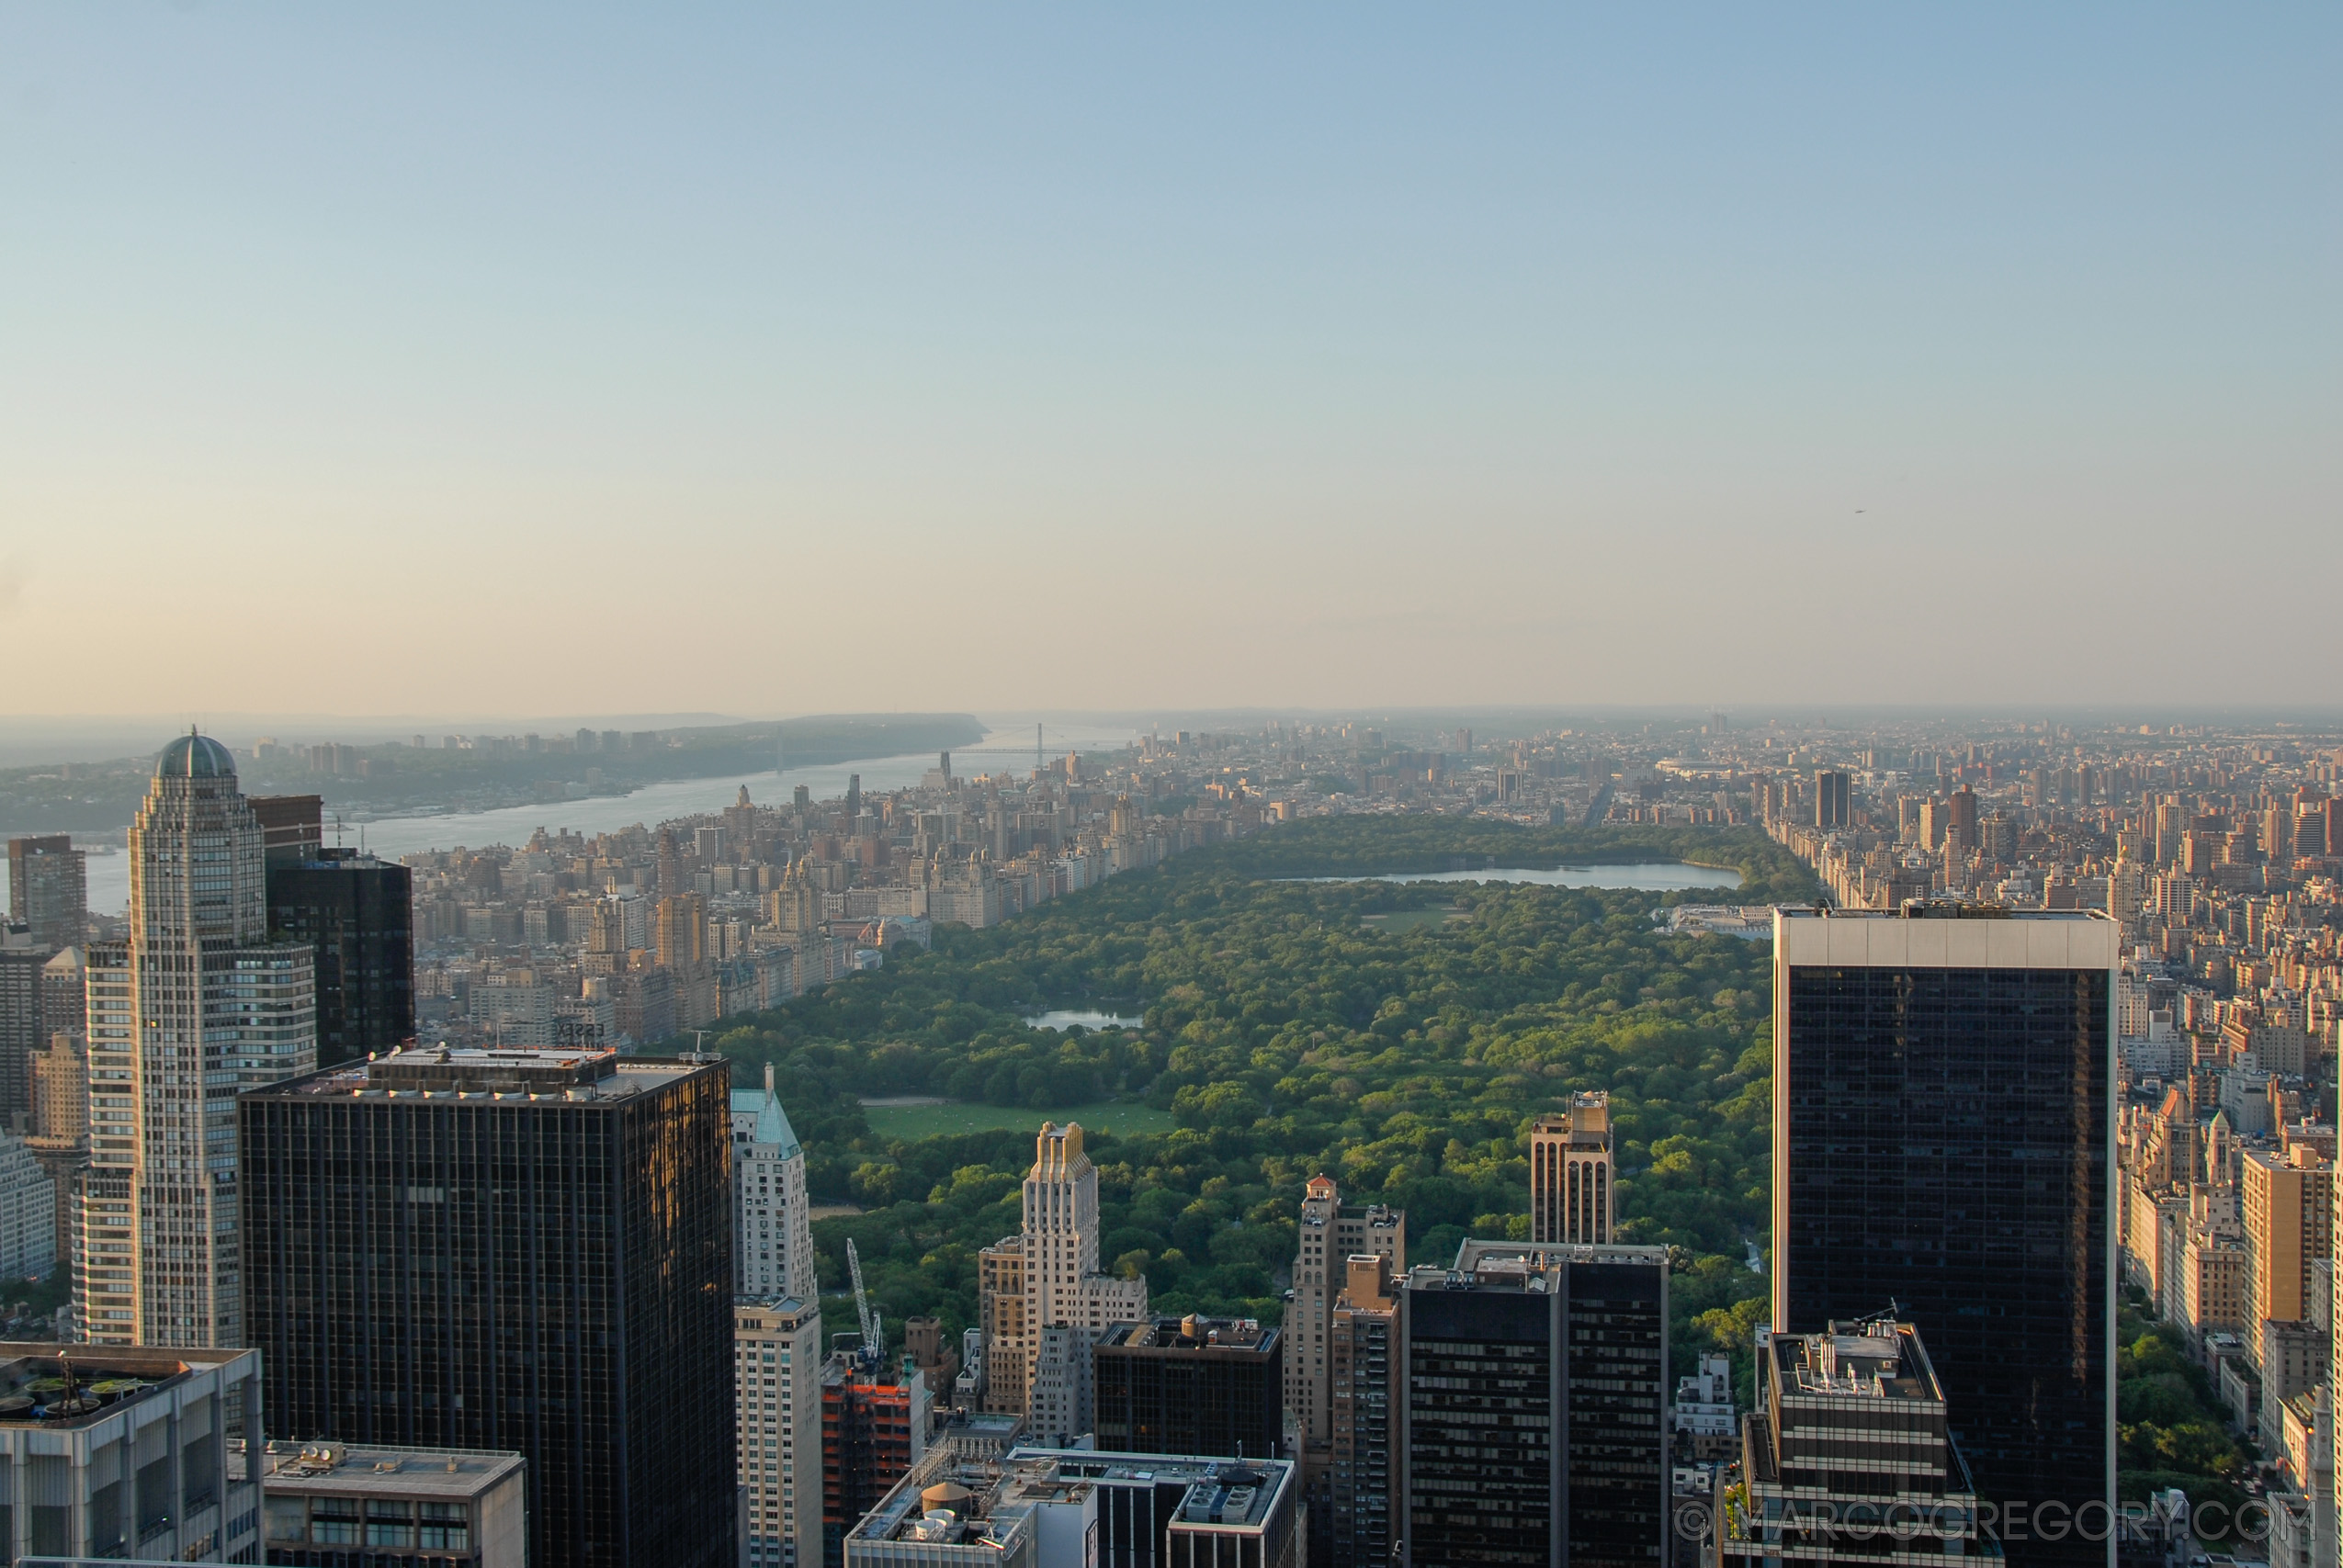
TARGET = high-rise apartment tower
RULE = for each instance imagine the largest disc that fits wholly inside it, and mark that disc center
(777, 1367)
(772, 1230)
(49, 890)
(198, 1005)
(1572, 1171)
(1362, 1469)
(1834, 800)
(1332, 1234)
(1055, 1273)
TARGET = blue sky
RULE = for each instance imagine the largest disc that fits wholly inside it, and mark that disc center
(772, 360)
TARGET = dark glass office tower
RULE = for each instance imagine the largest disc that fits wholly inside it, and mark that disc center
(527, 1250)
(1941, 1152)
(22, 1027)
(358, 913)
(1190, 1386)
(1833, 799)
(1535, 1382)
(49, 890)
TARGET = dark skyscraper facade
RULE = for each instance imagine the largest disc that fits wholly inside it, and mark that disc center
(48, 902)
(1940, 1147)
(1833, 799)
(527, 1250)
(49, 890)
(358, 913)
(1534, 1383)
(23, 1029)
(1190, 1386)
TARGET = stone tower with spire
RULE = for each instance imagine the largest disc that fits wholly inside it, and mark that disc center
(772, 1231)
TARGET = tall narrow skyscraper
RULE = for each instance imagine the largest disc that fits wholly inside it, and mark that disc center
(1943, 1122)
(1833, 799)
(1331, 1233)
(1535, 1382)
(197, 1006)
(778, 1368)
(1363, 1360)
(1570, 1173)
(1052, 1267)
(48, 909)
(772, 1230)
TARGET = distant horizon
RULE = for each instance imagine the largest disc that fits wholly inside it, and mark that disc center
(34, 739)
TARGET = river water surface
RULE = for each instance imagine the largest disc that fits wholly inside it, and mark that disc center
(390, 836)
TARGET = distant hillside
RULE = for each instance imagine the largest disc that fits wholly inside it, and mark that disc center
(97, 798)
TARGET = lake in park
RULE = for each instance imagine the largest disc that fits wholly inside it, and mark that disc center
(1063, 1019)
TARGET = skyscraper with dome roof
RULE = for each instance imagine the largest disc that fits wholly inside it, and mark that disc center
(198, 1005)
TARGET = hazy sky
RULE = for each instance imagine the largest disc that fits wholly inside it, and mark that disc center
(485, 359)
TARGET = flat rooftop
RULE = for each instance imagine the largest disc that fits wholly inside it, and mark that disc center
(39, 1387)
(1946, 936)
(956, 1497)
(1918, 910)
(476, 1073)
(1191, 1335)
(1880, 1360)
(1238, 1493)
(1474, 1256)
(321, 1470)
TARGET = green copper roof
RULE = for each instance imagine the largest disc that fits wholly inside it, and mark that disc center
(194, 756)
(771, 1122)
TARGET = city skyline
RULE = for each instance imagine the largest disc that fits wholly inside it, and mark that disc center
(1513, 357)
(1008, 787)
(2034, 1004)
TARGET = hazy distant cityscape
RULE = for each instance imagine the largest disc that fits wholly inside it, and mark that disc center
(2197, 865)
(951, 786)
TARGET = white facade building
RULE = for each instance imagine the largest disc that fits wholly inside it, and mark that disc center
(776, 1366)
(198, 1005)
(27, 1214)
(1057, 1255)
(162, 1466)
(1065, 1392)
(773, 1231)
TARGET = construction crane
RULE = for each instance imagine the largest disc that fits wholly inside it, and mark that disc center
(874, 1345)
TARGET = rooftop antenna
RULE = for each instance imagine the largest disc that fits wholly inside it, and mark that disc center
(1037, 746)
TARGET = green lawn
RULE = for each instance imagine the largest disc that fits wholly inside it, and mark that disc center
(914, 1121)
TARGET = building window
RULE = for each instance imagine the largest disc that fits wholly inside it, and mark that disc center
(390, 1524)
(333, 1521)
(444, 1527)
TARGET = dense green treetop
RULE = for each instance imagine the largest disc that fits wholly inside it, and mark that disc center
(1290, 1034)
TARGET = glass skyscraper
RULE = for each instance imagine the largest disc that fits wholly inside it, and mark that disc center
(1533, 1382)
(1943, 1122)
(358, 914)
(527, 1250)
